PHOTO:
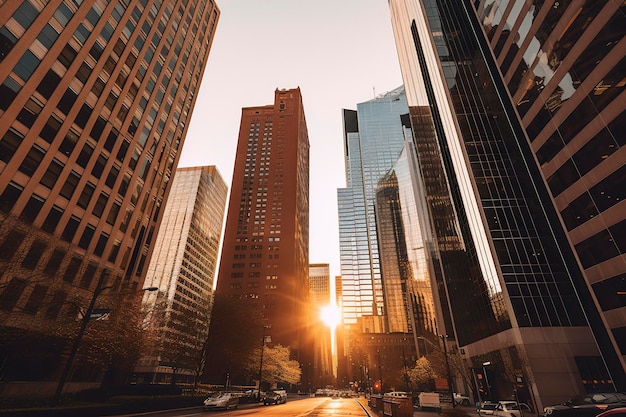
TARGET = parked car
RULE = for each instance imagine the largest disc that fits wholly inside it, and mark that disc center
(614, 412)
(589, 405)
(283, 395)
(486, 408)
(221, 401)
(461, 399)
(396, 394)
(273, 397)
(513, 409)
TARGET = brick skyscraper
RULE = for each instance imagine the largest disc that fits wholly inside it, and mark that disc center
(95, 101)
(264, 264)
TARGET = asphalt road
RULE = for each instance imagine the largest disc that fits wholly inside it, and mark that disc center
(309, 407)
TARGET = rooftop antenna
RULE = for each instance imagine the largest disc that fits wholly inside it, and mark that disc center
(374, 90)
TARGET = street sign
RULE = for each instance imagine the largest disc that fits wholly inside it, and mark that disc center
(96, 314)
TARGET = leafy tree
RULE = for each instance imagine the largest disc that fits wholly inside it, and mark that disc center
(277, 365)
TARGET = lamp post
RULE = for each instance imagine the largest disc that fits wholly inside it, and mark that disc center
(79, 337)
(445, 354)
(485, 364)
(261, 365)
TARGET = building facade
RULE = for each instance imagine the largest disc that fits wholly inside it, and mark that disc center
(320, 297)
(516, 297)
(565, 72)
(264, 264)
(95, 100)
(183, 268)
(373, 139)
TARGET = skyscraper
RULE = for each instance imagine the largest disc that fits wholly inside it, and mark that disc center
(264, 264)
(516, 298)
(95, 100)
(373, 140)
(183, 269)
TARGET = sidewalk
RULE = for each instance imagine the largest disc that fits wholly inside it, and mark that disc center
(470, 411)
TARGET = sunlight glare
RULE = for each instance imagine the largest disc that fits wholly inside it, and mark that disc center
(330, 315)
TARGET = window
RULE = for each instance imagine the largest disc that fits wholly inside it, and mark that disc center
(72, 270)
(67, 56)
(100, 204)
(50, 129)
(12, 293)
(47, 36)
(85, 196)
(34, 254)
(70, 185)
(50, 224)
(35, 300)
(9, 144)
(9, 197)
(84, 72)
(54, 262)
(32, 208)
(70, 229)
(85, 154)
(57, 301)
(11, 243)
(32, 161)
(26, 14)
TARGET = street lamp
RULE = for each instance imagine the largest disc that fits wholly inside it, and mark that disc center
(485, 364)
(445, 353)
(79, 337)
(267, 326)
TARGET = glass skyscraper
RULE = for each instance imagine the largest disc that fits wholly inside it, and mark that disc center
(373, 139)
(183, 268)
(516, 297)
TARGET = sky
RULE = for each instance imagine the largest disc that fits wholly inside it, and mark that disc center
(339, 52)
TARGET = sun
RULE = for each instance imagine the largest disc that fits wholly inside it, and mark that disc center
(330, 315)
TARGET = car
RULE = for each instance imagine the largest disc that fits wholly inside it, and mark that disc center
(221, 401)
(589, 405)
(461, 399)
(486, 408)
(283, 395)
(614, 412)
(396, 394)
(513, 409)
(273, 397)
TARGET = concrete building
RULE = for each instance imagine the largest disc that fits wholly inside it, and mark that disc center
(264, 265)
(509, 274)
(183, 268)
(95, 100)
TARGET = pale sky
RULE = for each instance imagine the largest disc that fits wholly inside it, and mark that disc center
(339, 52)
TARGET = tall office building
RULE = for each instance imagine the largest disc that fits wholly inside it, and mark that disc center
(319, 297)
(517, 300)
(183, 267)
(565, 69)
(373, 139)
(264, 264)
(95, 101)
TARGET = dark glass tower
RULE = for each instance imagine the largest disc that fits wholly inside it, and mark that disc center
(517, 299)
(95, 100)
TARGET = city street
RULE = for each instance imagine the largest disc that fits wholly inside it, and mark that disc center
(310, 407)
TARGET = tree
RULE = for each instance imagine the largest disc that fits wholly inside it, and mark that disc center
(277, 365)
(422, 373)
(234, 333)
